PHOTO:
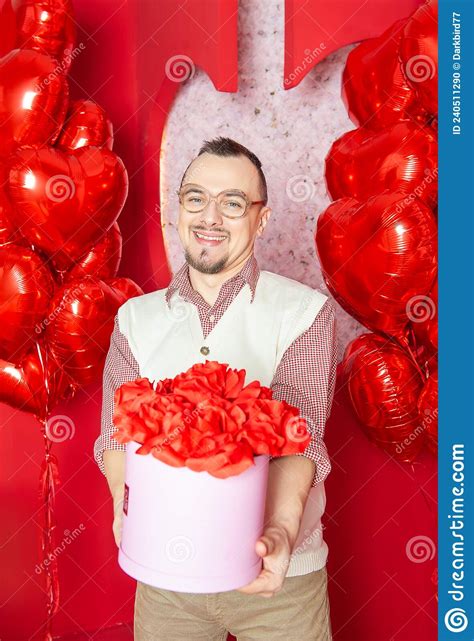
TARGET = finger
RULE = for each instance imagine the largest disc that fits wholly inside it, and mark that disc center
(265, 545)
(261, 548)
(265, 582)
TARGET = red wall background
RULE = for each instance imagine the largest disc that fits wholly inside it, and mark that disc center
(375, 505)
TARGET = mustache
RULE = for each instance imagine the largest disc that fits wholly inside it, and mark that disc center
(206, 229)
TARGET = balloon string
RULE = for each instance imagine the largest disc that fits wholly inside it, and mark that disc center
(49, 480)
(43, 359)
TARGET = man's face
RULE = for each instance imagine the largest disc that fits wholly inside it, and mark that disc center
(227, 241)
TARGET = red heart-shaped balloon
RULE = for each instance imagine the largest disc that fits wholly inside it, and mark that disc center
(36, 385)
(384, 385)
(82, 317)
(419, 54)
(26, 287)
(8, 34)
(127, 286)
(7, 229)
(47, 26)
(101, 261)
(65, 203)
(87, 125)
(374, 88)
(8, 232)
(33, 100)
(378, 256)
(404, 157)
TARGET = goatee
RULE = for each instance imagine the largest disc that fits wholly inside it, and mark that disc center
(200, 265)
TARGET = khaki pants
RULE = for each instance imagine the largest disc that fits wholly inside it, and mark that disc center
(298, 612)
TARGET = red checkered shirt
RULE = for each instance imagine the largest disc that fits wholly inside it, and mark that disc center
(305, 376)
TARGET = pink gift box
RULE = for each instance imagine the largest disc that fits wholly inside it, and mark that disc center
(189, 531)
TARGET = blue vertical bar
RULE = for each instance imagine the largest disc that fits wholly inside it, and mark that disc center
(456, 321)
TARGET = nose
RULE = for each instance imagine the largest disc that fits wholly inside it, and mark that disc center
(210, 214)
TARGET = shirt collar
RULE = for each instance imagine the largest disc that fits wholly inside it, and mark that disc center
(180, 282)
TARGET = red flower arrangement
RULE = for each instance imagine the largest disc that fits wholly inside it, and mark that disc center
(207, 420)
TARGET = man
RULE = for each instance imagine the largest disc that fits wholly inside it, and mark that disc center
(221, 306)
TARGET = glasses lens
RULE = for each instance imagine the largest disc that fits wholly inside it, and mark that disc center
(232, 205)
(193, 200)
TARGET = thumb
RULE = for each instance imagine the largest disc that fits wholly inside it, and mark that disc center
(264, 546)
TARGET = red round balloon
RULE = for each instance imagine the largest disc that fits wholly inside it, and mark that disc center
(428, 408)
(65, 203)
(82, 313)
(102, 260)
(419, 54)
(26, 286)
(403, 157)
(374, 88)
(376, 257)
(47, 26)
(87, 125)
(384, 386)
(33, 100)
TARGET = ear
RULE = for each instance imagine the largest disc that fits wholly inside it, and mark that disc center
(264, 216)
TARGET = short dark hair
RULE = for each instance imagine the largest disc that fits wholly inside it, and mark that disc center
(227, 147)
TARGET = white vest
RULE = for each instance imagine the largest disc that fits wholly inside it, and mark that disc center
(251, 335)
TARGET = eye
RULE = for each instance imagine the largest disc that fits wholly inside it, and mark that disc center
(233, 204)
(193, 199)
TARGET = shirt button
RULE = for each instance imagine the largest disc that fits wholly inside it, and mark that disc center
(212, 318)
(204, 350)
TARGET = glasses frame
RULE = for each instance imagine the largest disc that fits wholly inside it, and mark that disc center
(248, 202)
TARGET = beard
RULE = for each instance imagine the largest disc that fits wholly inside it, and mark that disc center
(200, 263)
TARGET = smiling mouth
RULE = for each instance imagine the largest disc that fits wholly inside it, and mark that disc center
(213, 239)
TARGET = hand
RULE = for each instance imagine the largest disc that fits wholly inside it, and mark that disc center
(275, 549)
(118, 516)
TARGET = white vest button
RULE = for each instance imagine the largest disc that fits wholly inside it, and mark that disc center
(204, 350)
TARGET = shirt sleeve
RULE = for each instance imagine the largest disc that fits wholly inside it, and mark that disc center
(120, 366)
(306, 378)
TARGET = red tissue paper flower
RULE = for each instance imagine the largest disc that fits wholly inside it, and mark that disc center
(207, 420)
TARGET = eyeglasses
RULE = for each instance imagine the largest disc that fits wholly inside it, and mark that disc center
(231, 203)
